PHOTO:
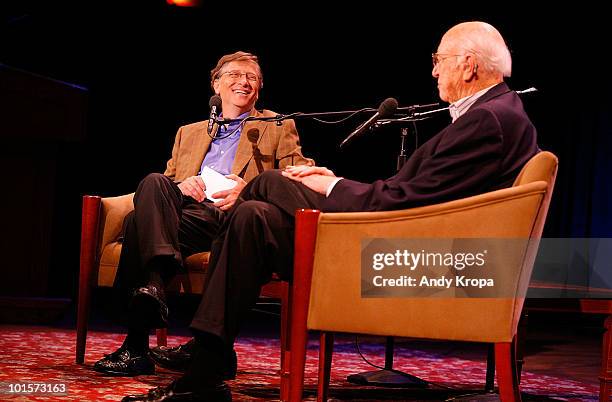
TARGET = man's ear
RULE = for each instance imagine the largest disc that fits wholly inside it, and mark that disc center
(216, 86)
(471, 68)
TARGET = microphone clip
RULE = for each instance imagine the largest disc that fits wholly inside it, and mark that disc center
(279, 119)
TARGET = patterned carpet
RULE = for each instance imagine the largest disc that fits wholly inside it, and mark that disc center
(46, 355)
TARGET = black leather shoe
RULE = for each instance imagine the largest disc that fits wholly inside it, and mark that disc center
(148, 307)
(179, 357)
(173, 358)
(216, 393)
(122, 362)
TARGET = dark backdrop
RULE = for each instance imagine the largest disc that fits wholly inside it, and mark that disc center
(146, 67)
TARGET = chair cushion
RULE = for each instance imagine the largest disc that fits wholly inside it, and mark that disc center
(196, 265)
(197, 262)
(191, 282)
(109, 260)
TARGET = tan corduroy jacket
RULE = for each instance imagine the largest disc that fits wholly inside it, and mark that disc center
(262, 146)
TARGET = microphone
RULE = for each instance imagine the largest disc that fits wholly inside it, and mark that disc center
(386, 109)
(215, 108)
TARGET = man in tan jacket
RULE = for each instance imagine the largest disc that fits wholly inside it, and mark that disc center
(174, 216)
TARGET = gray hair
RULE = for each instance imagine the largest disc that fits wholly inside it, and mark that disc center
(488, 45)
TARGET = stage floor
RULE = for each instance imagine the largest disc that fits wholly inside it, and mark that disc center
(562, 363)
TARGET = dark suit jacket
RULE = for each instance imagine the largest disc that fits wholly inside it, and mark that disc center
(481, 151)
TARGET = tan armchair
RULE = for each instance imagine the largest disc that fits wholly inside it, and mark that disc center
(322, 263)
(101, 227)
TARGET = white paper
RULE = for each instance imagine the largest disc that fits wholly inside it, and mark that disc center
(215, 182)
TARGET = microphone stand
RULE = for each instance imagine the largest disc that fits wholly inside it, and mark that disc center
(402, 157)
(279, 118)
(388, 376)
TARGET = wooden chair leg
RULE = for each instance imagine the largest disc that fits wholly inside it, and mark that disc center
(89, 235)
(326, 350)
(521, 339)
(605, 376)
(505, 364)
(162, 336)
(284, 340)
(305, 237)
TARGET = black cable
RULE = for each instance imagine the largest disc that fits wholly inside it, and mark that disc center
(343, 119)
(383, 368)
(259, 310)
(266, 312)
(363, 357)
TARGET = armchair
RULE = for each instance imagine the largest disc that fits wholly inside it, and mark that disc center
(101, 227)
(321, 261)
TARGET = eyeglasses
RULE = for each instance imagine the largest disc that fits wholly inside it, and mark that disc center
(236, 75)
(438, 57)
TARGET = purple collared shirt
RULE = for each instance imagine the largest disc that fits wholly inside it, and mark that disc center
(222, 151)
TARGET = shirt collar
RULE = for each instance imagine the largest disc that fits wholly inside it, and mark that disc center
(234, 124)
(460, 107)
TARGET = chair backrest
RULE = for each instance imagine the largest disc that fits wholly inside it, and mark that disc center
(336, 303)
(542, 167)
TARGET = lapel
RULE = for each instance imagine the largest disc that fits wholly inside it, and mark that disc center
(244, 153)
(201, 145)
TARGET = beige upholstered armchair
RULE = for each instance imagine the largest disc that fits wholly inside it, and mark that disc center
(101, 229)
(322, 262)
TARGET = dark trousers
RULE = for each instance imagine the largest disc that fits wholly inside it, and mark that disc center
(164, 223)
(255, 241)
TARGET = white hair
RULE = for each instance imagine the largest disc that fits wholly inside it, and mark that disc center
(486, 42)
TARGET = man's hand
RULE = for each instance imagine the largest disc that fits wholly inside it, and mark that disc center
(305, 170)
(316, 178)
(193, 187)
(229, 196)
